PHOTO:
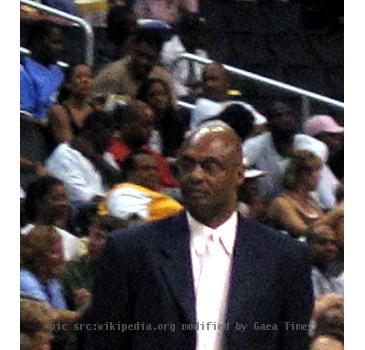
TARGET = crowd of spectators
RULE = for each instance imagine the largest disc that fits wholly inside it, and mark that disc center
(112, 137)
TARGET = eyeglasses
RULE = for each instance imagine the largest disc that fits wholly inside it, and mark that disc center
(210, 166)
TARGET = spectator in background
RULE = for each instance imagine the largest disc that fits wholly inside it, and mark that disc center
(82, 164)
(67, 6)
(170, 129)
(191, 37)
(323, 244)
(42, 266)
(271, 151)
(139, 193)
(168, 11)
(215, 85)
(124, 77)
(326, 129)
(78, 279)
(35, 323)
(296, 210)
(40, 77)
(121, 26)
(46, 203)
(136, 123)
(68, 116)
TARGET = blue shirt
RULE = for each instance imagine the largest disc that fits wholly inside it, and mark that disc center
(51, 293)
(39, 87)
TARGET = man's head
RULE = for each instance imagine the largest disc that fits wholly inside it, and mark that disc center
(98, 130)
(322, 242)
(136, 123)
(211, 171)
(145, 52)
(281, 122)
(326, 129)
(46, 42)
(142, 169)
(121, 24)
(216, 82)
(192, 30)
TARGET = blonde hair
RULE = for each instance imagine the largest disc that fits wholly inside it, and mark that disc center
(302, 163)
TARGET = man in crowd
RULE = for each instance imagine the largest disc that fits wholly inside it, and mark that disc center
(271, 151)
(136, 123)
(124, 77)
(206, 267)
(40, 77)
(215, 98)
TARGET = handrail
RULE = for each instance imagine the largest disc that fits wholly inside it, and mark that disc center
(268, 81)
(89, 33)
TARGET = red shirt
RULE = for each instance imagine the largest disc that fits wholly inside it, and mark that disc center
(121, 151)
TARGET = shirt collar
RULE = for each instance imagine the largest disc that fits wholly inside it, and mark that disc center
(225, 233)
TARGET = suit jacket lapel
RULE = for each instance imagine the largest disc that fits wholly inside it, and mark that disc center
(177, 266)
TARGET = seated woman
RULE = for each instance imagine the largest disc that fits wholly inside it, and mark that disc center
(296, 209)
(157, 94)
(68, 116)
(47, 203)
(41, 267)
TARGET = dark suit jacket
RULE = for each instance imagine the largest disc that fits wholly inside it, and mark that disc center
(146, 283)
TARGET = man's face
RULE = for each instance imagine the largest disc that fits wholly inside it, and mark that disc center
(324, 246)
(143, 58)
(146, 172)
(97, 241)
(158, 97)
(210, 173)
(335, 142)
(282, 122)
(140, 130)
(52, 46)
(215, 82)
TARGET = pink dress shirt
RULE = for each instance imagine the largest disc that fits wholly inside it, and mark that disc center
(211, 253)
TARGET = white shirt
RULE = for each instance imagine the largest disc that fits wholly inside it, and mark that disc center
(180, 69)
(206, 108)
(81, 179)
(260, 153)
(71, 244)
(211, 277)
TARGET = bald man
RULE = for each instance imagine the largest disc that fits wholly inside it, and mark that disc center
(215, 84)
(206, 278)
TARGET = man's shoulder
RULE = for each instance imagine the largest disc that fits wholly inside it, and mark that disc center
(147, 234)
(272, 241)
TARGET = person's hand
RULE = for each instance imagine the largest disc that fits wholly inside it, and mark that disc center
(327, 301)
(81, 297)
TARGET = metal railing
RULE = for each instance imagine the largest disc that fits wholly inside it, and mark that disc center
(89, 33)
(305, 94)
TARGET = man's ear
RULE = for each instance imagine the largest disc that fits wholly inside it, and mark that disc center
(241, 174)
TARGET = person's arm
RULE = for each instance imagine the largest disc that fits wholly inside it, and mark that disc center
(59, 124)
(297, 304)
(286, 216)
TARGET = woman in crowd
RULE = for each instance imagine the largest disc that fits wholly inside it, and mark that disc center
(41, 267)
(47, 203)
(68, 116)
(157, 94)
(295, 210)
